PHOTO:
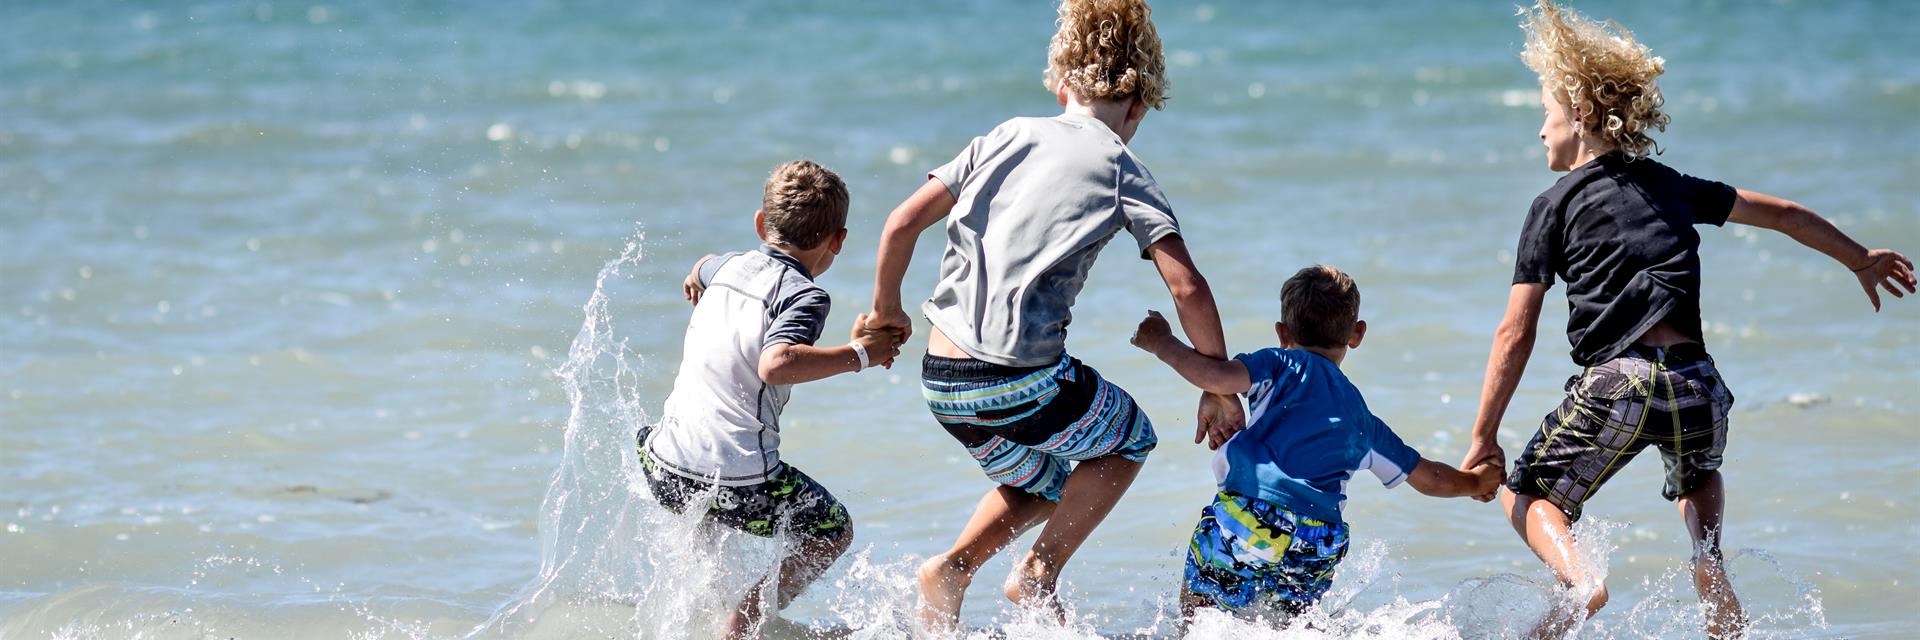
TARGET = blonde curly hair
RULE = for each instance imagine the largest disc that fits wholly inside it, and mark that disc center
(1599, 70)
(1107, 49)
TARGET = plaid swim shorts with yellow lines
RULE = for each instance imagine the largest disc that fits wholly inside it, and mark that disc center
(1672, 399)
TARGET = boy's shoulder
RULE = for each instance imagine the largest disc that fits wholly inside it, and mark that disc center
(1278, 359)
(778, 279)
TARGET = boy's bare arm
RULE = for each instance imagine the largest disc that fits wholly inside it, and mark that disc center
(1441, 481)
(1506, 362)
(1875, 269)
(1210, 374)
(788, 363)
(1220, 416)
(927, 205)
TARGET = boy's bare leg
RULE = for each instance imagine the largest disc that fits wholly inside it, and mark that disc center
(1092, 489)
(1190, 603)
(802, 565)
(1701, 509)
(1547, 531)
(1002, 515)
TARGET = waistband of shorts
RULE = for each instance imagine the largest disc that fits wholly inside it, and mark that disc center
(964, 370)
(1683, 352)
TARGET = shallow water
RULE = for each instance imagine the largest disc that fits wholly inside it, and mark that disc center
(336, 320)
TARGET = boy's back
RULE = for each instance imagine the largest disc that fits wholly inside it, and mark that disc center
(1308, 432)
(722, 421)
(1620, 233)
(1036, 199)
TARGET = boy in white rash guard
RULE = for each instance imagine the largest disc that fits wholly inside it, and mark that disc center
(756, 317)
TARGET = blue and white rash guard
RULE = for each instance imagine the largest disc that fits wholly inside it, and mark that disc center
(1308, 431)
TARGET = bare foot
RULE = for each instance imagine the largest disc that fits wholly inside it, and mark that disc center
(1034, 583)
(943, 585)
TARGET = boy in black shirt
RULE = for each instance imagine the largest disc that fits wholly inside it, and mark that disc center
(1619, 230)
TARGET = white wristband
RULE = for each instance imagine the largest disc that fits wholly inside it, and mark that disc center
(860, 352)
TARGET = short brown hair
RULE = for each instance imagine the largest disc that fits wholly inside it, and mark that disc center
(1320, 305)
(1108, 50)
(805, 203)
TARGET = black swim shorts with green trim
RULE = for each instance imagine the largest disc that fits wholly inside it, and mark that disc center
(787, 501)
(1672, 399)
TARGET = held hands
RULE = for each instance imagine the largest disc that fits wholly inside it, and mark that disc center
(1153, 332)
(1885, 268)
(1486, 479)
(1220, 417)
(891, 318)
(881, 343)
(1486, 454)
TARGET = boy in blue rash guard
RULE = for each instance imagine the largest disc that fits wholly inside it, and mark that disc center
(1270, 540)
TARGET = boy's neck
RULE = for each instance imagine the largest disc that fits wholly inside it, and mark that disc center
(816, 260)
(1112, 113)
(1332, 354)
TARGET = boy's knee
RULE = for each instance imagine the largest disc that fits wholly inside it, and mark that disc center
(840, 541)
(1597, 600)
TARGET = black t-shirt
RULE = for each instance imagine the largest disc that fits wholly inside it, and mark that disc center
(1621, 235)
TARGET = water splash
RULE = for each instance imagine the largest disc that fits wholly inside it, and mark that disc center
(612, 562)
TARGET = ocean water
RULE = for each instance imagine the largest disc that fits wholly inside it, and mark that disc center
(336, 320)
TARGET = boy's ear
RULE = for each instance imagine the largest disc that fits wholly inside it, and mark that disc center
(760, 224)
(1285, 335)
(1136, 110)
(836, 241)
(1359, 333)
(1060, 94)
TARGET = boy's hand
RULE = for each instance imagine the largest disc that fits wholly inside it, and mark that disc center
(1152, 332)
(893, 318)
(1220, 417)
(882, 344)
(1885, 268)
(692, 287)
(1487, 454)
(1486, 479)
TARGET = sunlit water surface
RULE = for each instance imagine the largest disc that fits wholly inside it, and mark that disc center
(337, 320)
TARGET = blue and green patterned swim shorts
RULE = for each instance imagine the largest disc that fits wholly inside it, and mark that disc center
(1251, 556)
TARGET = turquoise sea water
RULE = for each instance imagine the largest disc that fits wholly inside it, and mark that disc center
(336, 320)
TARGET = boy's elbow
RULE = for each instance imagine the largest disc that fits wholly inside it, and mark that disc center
(1516, 332)
(775, 366)
(1190, 287)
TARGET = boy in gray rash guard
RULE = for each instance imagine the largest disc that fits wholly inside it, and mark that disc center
(1028, 208)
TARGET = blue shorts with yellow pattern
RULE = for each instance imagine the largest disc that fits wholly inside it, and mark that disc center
(1252, 556)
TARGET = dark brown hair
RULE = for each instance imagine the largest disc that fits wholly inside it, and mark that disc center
(1320, 305)
(805, 203)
